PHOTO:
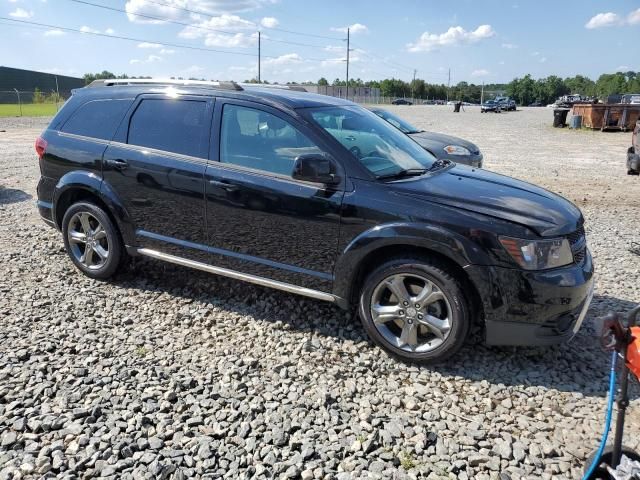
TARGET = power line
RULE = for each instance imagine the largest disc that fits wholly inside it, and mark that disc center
(209, 14)
(185, 24)
(131, 39)
(139, 40)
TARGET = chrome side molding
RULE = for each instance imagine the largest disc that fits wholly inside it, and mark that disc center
(245, 277)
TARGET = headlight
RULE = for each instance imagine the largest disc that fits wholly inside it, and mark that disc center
(538, 254)
(456, 150)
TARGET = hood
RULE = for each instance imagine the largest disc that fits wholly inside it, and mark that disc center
(435, 142)
(497, 196)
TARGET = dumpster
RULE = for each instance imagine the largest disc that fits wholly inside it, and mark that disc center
(560, 117)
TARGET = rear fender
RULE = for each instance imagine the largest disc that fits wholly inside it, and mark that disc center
(92, 184)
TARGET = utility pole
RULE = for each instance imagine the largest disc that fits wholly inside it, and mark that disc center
(413, 83)
(259, 57)
(346, 95)
(482, 94)
(448, 85)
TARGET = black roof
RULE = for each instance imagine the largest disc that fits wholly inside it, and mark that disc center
(273, 95)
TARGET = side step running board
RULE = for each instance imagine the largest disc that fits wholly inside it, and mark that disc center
(265, 282)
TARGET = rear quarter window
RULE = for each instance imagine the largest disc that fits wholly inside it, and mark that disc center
(97, 118)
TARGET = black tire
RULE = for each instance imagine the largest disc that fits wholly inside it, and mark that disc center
(601, 472)
(116, 254)
(440, 276)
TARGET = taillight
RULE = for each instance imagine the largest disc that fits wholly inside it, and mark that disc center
(41, 147)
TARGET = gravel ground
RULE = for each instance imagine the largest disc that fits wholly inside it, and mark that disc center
(170, 373)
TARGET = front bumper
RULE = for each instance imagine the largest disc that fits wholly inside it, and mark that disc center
(534, 308)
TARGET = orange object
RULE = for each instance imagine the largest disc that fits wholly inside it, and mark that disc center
(633, 352)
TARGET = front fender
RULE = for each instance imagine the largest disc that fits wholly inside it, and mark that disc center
(92, 184)
(431, 237)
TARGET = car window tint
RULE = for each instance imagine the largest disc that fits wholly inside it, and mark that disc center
(256, 139)
(97, 118)
(178, 126)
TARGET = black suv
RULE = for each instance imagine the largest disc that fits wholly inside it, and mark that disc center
(317, 196)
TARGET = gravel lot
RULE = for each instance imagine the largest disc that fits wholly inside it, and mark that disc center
(170, 373)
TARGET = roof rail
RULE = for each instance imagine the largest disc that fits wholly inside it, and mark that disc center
(297, 88)
(163, 81)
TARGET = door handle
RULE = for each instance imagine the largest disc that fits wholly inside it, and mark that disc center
(224, 185)
(351, 138)
(117, 164)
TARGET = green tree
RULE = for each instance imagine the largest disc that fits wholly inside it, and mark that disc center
(323, 81)
(38, 97)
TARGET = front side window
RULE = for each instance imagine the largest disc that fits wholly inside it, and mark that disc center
(97, 118)
(172, 125)
(256, 139)
(380, 147)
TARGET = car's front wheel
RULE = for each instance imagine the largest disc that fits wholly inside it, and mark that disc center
(415, 309)
(92, 240)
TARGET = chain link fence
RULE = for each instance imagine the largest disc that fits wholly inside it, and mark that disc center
(27, 103)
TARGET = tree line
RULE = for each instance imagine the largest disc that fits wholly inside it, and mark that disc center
(523, 90)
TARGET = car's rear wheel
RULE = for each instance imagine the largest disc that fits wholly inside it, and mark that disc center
(415, 309)
(92, 240)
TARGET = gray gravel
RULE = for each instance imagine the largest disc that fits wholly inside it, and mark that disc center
(170, 373)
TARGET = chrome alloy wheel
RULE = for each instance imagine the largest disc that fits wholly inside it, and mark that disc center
(411, 312)
(88, 240)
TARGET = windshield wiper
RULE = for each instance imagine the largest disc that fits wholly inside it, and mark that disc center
(407, 172)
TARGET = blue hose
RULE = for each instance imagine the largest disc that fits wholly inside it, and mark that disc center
(612, 394)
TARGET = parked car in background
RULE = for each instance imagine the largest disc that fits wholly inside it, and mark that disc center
(439, 145)
(506, 103)
(317, 196)
(632, 98)
(536, 104)
(633, 154)
(401, 101)
(490, 106)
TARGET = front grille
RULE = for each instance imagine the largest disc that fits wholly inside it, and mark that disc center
(578, 244)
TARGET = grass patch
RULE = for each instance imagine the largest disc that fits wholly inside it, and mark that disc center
(28, 109)
(407, 461)
(141, 351)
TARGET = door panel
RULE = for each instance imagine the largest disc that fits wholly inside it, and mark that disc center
(263, 222)
(163, 191)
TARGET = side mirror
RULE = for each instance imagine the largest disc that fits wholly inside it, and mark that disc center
(316, 168)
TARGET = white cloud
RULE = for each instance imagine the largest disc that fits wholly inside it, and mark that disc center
(85, 29)
(623, 68)
(286, 59)
(167, 51)
(194, 69)
(269, 22)
(454, 36)
(634, 17)
(206, 7)
(481, 72)
(509, 46)
(353, 29)
(601, 20)
(535, 54)
(54, 33)
(149, 59)
(235, 25)
(21, 13)
(543, 59)
(109, 31)
(149, 45)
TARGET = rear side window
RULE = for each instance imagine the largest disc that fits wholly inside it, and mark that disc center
(97, 118)
(178, 126)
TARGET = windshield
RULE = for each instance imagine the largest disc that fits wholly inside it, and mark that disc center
(400, 124)
(381, 148)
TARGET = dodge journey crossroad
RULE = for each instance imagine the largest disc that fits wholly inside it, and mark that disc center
(316, 196)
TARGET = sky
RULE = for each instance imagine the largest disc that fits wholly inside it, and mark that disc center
(476, 40)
